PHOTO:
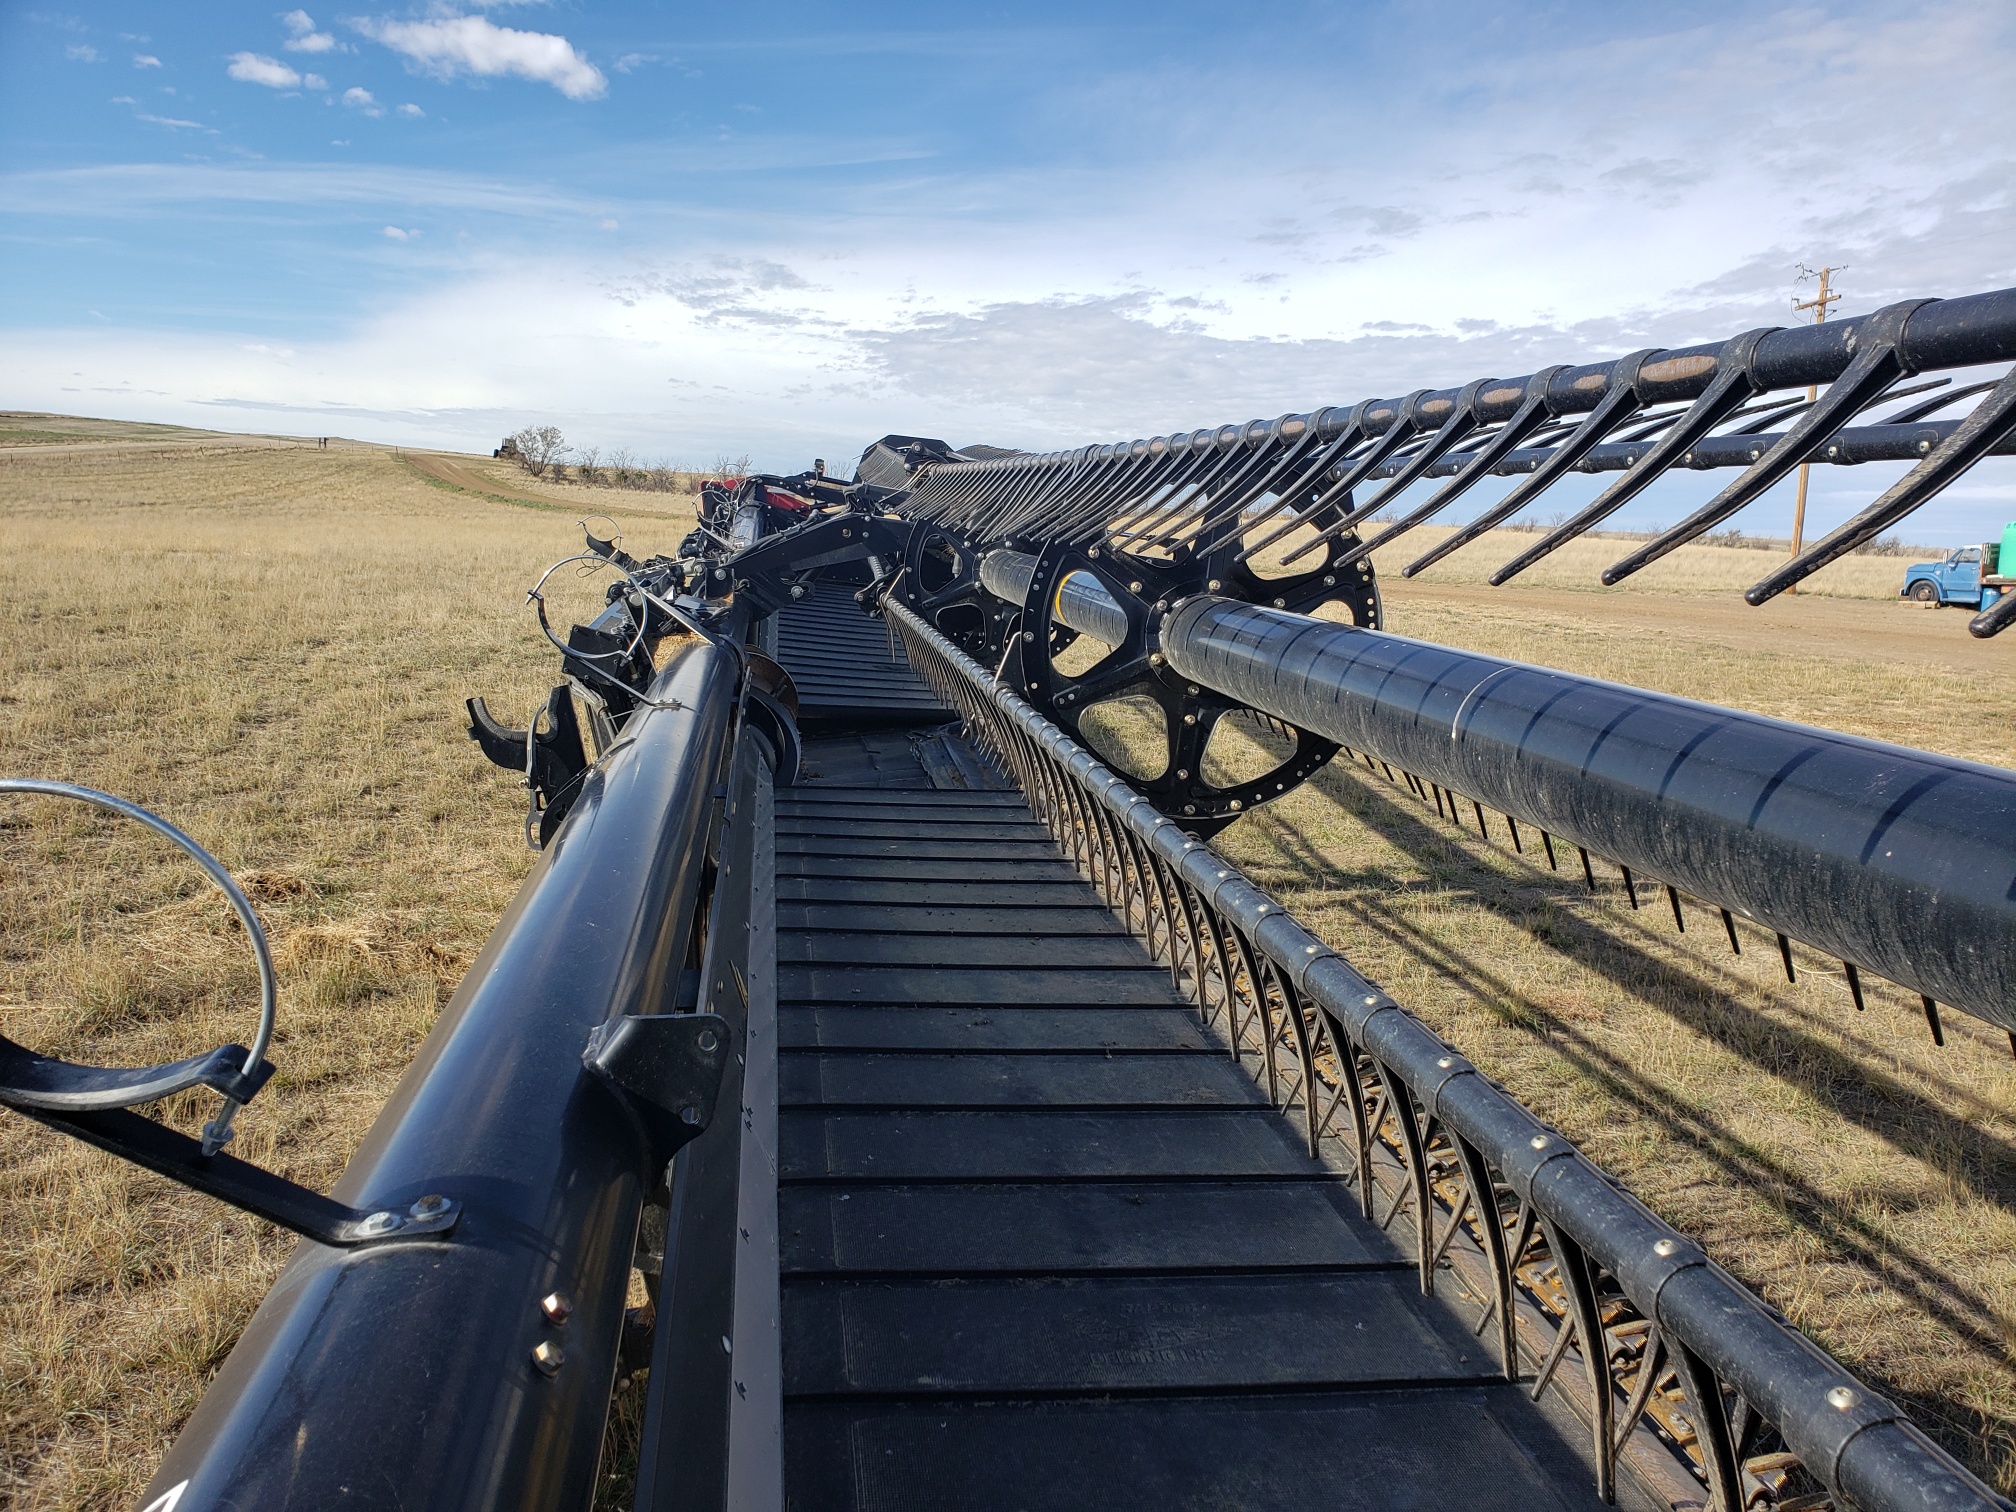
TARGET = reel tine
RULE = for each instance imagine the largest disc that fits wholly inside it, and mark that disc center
(1991, 422)
(1461, 423)
(1733, 384)
(1619, 403)
(1879, 363)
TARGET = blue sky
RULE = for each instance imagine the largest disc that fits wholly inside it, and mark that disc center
(788, 228)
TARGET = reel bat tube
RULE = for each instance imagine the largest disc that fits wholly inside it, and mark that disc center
(1898, 861)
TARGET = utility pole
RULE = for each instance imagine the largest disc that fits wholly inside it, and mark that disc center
(1818, 305)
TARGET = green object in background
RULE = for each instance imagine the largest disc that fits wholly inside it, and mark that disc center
(2007, 560)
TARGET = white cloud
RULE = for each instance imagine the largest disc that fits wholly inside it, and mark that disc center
(304, 37)
(146, 60)
(128, 190)
(1046, 305)
(83, 52)
(124, 100)
(257, 68)
(453, 45)
(314, 81)
(362, 99)
(170, 121)
(410, 109)
(631, 61)
(610, 223)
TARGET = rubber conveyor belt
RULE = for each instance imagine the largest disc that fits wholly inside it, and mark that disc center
(1044, 1243)
(846, 670)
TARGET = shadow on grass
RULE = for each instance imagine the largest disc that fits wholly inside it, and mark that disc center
(1854, 1090)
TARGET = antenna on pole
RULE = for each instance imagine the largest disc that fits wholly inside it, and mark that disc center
(1818, 305)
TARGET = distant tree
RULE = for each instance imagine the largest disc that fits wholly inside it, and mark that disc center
(623, 465)
(539, 447)
(588, 463)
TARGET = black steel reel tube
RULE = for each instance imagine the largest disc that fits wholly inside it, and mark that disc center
(1898, 861)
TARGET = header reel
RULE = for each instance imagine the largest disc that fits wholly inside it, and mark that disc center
(1075, 630)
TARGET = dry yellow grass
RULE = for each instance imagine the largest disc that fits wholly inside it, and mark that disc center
(270, 645)
(507, 482)
(1580, 564)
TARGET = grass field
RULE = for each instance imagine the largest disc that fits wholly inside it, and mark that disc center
(270, 645)
(1579, 564)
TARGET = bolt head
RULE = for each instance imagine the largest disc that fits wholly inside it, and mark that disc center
(1155, 659)
(548, 1357)
(1215, 585)
(557, 1308)
(1329, 580)
(381, 1223)
(1665, 1248)
(1841, 1398)
(689, 1116)
(709, 1039)
(429, 1205)
(1540, 1141)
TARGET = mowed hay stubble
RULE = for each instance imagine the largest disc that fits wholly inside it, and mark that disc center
(271, 646)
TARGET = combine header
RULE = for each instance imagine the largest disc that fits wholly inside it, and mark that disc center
(982, 1137)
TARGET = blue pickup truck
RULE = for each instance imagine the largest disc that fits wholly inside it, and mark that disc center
(1959, 578)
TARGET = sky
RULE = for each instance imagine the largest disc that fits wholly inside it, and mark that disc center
(696, 231)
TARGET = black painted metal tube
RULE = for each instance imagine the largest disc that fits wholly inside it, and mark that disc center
(402, 1375)
(1084, 604)
(1851, 447)
(1007, 574)
(1082, 600)
(1899, 861)
(1966, 331)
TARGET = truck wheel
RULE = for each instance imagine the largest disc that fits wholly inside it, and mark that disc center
(1925, 591)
